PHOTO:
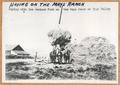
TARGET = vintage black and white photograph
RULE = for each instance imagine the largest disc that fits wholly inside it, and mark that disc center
(60, 41)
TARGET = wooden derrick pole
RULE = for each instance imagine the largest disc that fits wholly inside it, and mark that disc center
(36, 57)
(60, 17)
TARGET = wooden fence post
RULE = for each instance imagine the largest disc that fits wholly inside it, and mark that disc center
(36, 57)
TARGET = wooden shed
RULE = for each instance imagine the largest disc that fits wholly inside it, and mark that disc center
(15, 50)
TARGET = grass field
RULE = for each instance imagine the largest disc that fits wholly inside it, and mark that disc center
(41, 70)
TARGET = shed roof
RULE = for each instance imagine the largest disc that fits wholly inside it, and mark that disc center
(14, 47)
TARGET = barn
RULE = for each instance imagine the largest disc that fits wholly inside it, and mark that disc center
(15, 50)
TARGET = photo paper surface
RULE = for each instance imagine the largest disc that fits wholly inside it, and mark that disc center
(59, 42)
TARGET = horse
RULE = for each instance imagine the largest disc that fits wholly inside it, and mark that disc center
(67, 56)
(59, 56)
(53, 56)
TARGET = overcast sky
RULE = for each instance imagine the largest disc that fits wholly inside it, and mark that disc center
(30, 29)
